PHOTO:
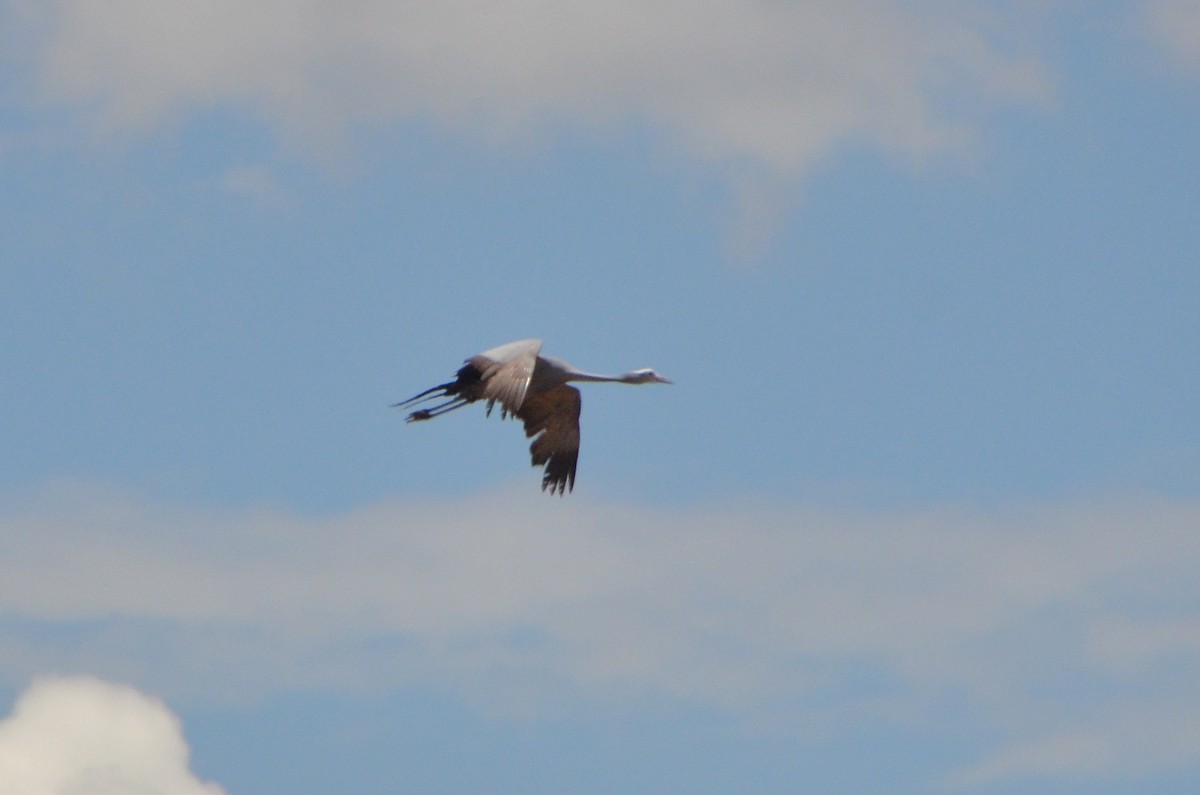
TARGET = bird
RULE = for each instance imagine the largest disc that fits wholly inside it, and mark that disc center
(533, 388)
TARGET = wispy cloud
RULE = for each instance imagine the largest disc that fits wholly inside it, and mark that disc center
(257, 184)
(748, 84)
(1121, 743)
(86, 736)
(1175, 25)
(523, 604)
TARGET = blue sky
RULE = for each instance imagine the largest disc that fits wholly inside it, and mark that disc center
(920, 513)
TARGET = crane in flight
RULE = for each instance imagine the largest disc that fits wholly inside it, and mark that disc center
(535, 389)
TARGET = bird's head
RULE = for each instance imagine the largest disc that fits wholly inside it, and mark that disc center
(644, 376)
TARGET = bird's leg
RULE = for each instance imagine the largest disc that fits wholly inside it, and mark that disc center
(438, 410)
(428, 394)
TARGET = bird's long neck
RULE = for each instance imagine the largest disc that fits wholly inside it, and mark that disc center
(578, 376)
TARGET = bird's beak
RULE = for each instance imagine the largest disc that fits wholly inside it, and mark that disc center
(662, 380)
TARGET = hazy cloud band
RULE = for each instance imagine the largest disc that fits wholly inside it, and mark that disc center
(771, 85)
(740, 608)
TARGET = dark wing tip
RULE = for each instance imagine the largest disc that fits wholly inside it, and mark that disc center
(556, 481)
(552, 420)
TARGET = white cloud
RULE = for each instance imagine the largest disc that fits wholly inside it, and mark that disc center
(83, 736)
(524, 603)
(766, 85)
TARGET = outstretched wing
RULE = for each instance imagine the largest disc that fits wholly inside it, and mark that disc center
(505, 372)
(552, 418)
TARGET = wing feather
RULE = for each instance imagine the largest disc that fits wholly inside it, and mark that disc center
(506, 372)
(552, 419)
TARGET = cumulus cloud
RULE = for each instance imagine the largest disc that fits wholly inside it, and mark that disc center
(768, 612)
(88, 737)
(746, 83)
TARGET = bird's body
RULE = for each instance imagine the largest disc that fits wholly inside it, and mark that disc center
(534, 388)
